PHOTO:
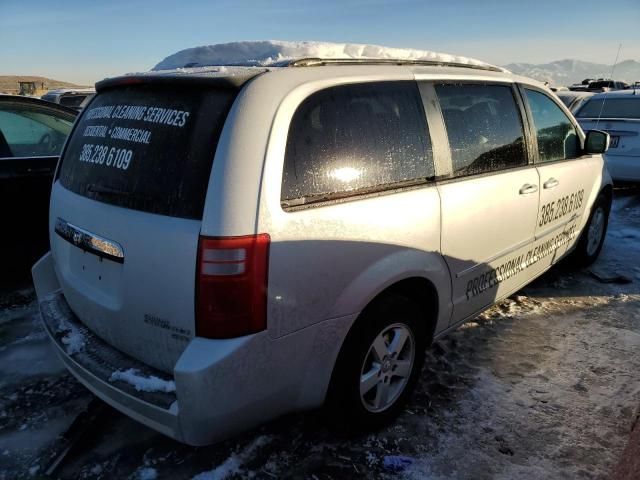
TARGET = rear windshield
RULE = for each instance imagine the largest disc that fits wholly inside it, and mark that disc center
(604, 84)
(147, 147)
(613, 108)
(72, 100)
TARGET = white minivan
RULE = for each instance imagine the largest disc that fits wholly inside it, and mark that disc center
(230, 246)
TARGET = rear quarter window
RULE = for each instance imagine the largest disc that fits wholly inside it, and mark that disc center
(353, 139)
(147, 147)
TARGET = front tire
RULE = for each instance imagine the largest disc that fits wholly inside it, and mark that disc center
(592, 238)
(379, 365)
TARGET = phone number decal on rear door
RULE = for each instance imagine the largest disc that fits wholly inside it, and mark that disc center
(104, 155)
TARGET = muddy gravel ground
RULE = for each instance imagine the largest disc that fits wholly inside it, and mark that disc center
(545, 385)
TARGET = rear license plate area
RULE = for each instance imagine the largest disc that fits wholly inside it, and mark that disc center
(94, 271)
(614, 142)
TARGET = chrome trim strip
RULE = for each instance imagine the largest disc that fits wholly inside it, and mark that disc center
(89, 242)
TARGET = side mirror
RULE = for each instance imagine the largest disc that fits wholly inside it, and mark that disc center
(597, 141)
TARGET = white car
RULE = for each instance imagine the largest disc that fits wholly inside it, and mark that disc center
(229, 246)
(617, 113)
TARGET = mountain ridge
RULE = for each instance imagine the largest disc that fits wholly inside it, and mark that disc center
(569, 71)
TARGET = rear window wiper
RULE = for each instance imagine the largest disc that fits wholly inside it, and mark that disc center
(114, 192)
(95, 188)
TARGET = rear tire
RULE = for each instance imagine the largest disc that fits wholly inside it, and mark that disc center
(592, 238)
(378, 366)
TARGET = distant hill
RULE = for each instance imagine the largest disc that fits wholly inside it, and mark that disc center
(9, 83)
(567, 72)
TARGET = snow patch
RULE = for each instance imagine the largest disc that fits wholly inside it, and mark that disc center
(36, 336)
(518, 305)
(233, 464)
(143, 384)
(74, 341)
(147, 473)
(625, 233)
(276, 52)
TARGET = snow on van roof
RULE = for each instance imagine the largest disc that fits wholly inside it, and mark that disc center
(276, 52)
(208, 71)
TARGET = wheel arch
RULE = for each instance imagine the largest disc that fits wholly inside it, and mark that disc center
(420, 290)
(607, 191)
(417, 289)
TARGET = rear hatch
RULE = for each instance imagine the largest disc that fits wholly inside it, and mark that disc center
(618, 116)
(126, 210)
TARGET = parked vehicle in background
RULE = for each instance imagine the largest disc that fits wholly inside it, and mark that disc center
(263, 240)
(76, 98)
(32, 133)
(572, 99)
(582, 86)
(31, 88)
(617, 113)
(599, 85)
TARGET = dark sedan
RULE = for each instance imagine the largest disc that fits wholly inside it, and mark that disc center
(32, 134)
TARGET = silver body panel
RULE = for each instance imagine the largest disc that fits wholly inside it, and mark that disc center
(327, 262)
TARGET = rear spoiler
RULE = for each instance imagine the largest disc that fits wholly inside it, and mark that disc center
(232, 81)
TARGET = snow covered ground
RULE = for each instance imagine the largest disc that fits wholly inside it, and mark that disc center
(543, 386)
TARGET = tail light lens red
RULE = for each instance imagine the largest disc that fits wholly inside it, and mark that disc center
(231, 296)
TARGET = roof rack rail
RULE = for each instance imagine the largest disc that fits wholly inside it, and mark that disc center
(313, 62)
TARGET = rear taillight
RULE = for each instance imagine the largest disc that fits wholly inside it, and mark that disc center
(231, 297)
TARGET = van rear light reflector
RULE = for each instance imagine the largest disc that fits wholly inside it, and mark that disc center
(231, 296)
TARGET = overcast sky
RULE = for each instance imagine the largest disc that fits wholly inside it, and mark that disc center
(85, 41)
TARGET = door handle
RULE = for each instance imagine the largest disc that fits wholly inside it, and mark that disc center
(528, 188)
(551, 183)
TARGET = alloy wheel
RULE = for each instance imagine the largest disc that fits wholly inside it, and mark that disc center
(387, 367)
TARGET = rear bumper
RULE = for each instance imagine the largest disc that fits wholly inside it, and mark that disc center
(92, 361)
(222, 387)
(623, 168)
